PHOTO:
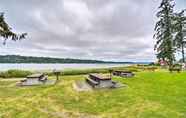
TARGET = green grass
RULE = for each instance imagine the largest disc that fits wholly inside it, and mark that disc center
(148, 95)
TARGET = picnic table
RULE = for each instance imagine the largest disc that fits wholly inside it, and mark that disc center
(122, 73)
(34, 79)
(176, 69)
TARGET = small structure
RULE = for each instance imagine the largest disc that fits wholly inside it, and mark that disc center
(34, 79)
(100, 81)
(123, 73)
(162, 62)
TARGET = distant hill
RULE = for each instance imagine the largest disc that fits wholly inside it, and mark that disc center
(31, 59)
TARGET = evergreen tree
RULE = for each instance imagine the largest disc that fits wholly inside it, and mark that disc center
(6, 33)
(179, 42)
(163, 32)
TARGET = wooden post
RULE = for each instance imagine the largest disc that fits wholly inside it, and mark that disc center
(110, 71)
(57, 73)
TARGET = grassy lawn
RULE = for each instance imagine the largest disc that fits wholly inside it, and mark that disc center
(148, 95)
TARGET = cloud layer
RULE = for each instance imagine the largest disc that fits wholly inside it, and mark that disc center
(118, 30)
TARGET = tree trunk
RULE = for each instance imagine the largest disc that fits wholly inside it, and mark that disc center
(183, 53)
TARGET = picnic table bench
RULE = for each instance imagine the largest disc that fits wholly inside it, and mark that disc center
(92, 82)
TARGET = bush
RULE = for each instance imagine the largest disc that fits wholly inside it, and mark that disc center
(14, 73)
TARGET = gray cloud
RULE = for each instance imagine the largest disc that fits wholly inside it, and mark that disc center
(91, 29)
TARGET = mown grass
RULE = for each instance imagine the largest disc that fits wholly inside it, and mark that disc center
(148, 95)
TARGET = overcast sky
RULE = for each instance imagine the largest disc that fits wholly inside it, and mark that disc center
(119, 30)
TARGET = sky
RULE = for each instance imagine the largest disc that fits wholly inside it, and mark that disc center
(111, 30)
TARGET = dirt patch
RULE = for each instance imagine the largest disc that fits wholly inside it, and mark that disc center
(68, 114)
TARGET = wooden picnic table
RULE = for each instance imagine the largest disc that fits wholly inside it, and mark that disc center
(175, 69)
(123, 73)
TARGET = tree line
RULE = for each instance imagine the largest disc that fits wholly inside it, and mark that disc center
(169, 32)
(31, 59)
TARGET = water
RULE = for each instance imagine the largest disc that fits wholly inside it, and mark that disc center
(36, 67)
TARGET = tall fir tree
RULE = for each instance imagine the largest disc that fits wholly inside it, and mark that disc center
(163, 32)
(179, 41)
(6, 33)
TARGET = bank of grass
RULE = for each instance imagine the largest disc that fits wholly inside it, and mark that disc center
(14, 73)
(98, 70)
(149, 95)
(22, 73)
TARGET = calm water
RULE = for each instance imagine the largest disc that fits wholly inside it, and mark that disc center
(4, 67)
